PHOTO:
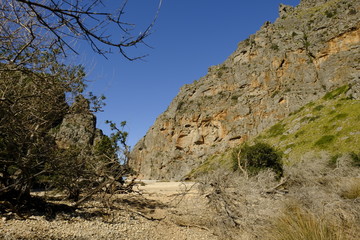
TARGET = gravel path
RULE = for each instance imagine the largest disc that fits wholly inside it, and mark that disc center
(161, 211)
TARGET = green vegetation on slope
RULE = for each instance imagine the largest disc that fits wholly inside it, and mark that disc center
(331, 124)
(253, 159)
(212, 163)
(323, 8)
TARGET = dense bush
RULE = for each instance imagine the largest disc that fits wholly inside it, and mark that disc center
(253, 159)
(32, 103)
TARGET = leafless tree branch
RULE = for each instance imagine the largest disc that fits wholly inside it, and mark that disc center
(30, 25)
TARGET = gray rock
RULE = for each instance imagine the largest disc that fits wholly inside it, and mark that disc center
(78, 127)
(284, 10)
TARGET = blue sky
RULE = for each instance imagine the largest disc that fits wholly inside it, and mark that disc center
(188, 37)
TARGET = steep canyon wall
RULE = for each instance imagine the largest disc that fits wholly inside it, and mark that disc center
(309, 50)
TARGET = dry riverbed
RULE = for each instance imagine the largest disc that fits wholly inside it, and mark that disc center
(158, 210)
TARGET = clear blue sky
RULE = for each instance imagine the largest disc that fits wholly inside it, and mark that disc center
(188, 37)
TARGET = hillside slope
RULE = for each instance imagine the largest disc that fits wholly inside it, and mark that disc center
(331, 125)
(328, 128)
(309, 50)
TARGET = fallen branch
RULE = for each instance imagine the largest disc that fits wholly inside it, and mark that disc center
(147, 217)
(192, 226)
(12, 208)
(275, 188)
(183, 193)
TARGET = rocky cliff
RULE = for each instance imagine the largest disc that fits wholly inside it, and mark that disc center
(309, 50)
(78, 128)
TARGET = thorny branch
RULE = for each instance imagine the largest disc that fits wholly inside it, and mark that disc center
(30, 25)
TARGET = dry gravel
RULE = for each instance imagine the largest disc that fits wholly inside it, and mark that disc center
(161, 211)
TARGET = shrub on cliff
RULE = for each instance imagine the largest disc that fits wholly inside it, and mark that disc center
(260, 156)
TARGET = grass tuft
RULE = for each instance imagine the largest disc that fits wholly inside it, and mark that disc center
(298, 224)
(276, 130)
(352, 191)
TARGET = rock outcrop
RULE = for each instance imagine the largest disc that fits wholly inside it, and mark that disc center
(78, 127)
(309, 50)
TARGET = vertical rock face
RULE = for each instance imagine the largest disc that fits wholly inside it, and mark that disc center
(78, 127)
(308, 51)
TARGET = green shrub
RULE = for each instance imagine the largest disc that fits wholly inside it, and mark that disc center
(104, 147)
(234, 98)
(339, 116)
(180, 105)
(330, 14)
(256, 158)
(299, 133)
(319, 107)
(355, 159)
(324, 140)
(309, 119)
(274, 47)
(334, 160)
(276, 130)
(333, 94)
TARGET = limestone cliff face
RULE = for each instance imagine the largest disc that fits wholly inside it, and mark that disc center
(309, 50)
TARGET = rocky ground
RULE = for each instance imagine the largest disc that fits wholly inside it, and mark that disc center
(158, 210)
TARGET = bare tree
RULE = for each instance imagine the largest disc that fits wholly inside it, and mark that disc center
(32, 106)
(30, 26)
(35, 37)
